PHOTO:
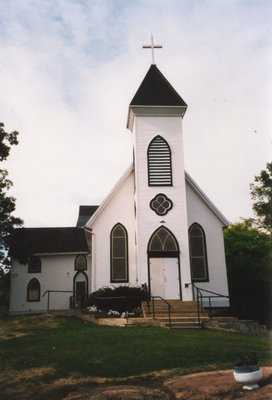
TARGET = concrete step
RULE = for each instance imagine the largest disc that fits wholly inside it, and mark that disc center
(181, 325)
(178, 317)
(191, 309)
(182, 319)
(173, 310)
(184, 314)
(174, 304)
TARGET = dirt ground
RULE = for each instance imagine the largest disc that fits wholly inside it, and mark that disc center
(164, 385)
(12, 329)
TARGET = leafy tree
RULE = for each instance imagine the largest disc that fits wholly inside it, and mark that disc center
(7, 203)
(261, 194)
(4, 291)
(249, 266)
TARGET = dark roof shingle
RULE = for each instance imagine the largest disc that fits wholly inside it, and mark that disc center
(155, 90)
(28, 241)
(85, 213)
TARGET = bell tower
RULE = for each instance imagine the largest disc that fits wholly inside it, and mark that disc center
(155, 121)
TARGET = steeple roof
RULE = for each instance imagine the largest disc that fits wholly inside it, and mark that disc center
(155, 90)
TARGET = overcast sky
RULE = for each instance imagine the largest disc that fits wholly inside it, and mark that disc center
(69, 69)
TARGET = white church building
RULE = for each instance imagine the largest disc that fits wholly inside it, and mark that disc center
(155, 228)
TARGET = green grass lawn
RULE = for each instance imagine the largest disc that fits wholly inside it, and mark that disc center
(76, 348)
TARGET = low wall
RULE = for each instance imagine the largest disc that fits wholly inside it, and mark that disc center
(125, 322)
(243, 326)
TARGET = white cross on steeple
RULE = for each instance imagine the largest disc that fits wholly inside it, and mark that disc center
(152, 47)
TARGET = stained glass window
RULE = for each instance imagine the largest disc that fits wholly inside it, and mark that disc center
(119, 254)
(80, 263)
(198, 255)
(163, 241)
(33, 290)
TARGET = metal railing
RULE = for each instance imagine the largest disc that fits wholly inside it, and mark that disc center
(200, 297)
(75, 298)
(166, 302)
(54, 291)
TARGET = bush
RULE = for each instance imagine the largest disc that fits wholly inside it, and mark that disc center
(249, 267)
(119, 298)
(4, 291)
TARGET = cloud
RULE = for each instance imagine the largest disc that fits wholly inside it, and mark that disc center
(70, 68)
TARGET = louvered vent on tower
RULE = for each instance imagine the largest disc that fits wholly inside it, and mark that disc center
(159, 163)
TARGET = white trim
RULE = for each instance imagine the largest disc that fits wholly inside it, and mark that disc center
(188, 179)
(206, 200)
(110, 195)
(139, 106)
(156, 111)
(60, 254)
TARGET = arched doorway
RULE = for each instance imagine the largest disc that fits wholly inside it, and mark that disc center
(163, 265)
(80, 287)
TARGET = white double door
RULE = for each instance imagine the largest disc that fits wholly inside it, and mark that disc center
(164, 278)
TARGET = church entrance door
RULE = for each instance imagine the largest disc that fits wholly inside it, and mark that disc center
(163, 265)
(164, 278)
(80, 287)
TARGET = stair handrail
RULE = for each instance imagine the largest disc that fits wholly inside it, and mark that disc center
(200, 296)
(55, 291)
(169, 308)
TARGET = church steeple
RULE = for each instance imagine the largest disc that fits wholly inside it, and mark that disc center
(155, 90)
(157, 93)
(155, 120)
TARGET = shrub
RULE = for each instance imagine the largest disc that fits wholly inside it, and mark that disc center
(118, 298)
(248, 359)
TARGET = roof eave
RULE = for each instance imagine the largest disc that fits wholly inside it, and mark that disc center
(64, 253)
(108, 198)
(206, 200)
(153, 111)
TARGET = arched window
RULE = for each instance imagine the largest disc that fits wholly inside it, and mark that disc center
(119, 254)
(80, 263)
(34, 264)
(163, 244)
(33, 290)
(159, 163)
(198, 254)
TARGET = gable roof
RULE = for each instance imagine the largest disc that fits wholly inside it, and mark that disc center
(39, 241)
(155, 90)
(110, 195)
(188, 179)
(206, 200)
(85, 213)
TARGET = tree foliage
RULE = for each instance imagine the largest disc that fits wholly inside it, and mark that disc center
(7, 203)
(261, 194)
(249, 266)
(4, 291)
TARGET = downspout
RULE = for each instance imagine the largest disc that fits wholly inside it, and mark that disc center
(93, 259)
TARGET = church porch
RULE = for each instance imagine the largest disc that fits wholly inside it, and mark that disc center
(177, 314)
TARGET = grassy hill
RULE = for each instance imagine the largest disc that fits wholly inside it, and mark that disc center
(39, 350)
